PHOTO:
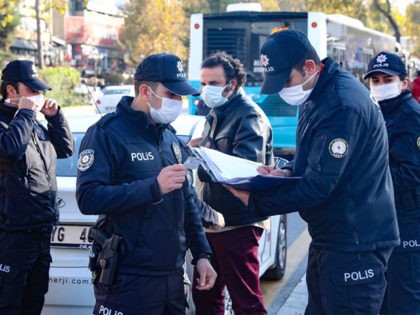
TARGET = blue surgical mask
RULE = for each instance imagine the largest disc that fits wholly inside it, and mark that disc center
(212, 95)
(168, 112)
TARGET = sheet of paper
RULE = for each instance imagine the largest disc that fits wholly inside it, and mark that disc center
(226, 167)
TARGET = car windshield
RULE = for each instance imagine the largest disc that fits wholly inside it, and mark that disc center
(116, 91)
(68, 167)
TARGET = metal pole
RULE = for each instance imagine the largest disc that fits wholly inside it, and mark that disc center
(38, 35)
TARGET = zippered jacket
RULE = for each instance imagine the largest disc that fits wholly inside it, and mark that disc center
(28, 158)
(345, 193)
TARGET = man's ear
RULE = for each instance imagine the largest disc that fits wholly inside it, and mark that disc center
(11, 91)
(232, 87)
(309, 67)
(144, 92)
(405, 84)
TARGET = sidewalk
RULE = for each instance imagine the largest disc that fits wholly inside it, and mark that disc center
(296, 302)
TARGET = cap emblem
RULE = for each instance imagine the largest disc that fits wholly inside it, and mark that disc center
(265, 61)
(180, 67)
(381, 58)
(34, 73)
(380, 61)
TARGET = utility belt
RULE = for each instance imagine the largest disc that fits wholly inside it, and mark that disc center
(103, 256)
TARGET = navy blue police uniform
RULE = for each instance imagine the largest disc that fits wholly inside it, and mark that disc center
(121, 157)
(28, 202)
(345, 192)
(402, 116)
(401, 112)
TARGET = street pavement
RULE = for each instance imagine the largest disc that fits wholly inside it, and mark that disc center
(296, 302)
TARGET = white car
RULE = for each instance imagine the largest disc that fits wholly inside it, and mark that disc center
(70, 287)
(111, 95)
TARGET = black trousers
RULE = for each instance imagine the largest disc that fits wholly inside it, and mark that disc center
(135, 295)
(24, 266)
(345, 283)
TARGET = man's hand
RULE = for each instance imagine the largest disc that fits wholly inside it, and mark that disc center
(220, 224)
(26, 103)
(207, 275)
(195, 142)
(242, 195)
(269, 170)
(50, 107)
(171, 177)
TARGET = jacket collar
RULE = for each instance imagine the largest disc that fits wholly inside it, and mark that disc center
(230, 105)
(7, 112)
(329, 68)
(136, 117)
(390, 105)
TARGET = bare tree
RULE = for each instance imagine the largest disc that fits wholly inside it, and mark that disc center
(385, 9)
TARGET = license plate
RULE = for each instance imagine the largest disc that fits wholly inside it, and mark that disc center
(70, 236)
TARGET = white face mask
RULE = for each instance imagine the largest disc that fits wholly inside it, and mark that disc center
(295, 95)
(39, 100)
(385, 91)
(212, 95)
(168, 112)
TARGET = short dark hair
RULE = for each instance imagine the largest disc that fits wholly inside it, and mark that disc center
(402, 76)
(153, 85)
(233, 67)
(311, 54)
(3, 87)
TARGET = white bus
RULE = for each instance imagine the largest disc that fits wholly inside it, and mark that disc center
(241, 34)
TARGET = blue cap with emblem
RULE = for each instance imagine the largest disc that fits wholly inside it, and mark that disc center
(168, 70)
(279, 54)
(386, 62)
(24, 71)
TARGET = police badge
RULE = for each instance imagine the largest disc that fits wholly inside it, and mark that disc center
(338, 148)
(85, 160)
(40, 132)
(177, 151)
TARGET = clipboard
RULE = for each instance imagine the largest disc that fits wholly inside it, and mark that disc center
(237, 172)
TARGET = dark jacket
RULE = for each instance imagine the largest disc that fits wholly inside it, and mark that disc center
(345, 193)
(241, 129)
(402, 117)
(28, 156)
(121, 157)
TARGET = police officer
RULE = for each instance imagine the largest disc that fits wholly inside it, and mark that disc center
(345, 191)
(389, 86)
(131, 173)
(28, 188)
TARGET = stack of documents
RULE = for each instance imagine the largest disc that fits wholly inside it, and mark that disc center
(237, 172)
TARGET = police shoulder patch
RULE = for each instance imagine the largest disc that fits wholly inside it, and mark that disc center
(418, 142)
(338, 148)
(40, 132)
(86, 158)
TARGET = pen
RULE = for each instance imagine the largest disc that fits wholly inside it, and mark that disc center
(276, 163)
